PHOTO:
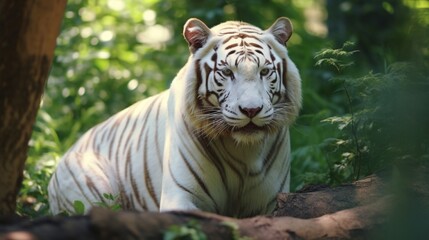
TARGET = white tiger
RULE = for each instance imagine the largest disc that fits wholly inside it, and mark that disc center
(217, 140)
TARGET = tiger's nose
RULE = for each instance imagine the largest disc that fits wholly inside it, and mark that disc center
(250, 112)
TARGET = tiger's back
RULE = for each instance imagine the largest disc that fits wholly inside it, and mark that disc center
(217, 140)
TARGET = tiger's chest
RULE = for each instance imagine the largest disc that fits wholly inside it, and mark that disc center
(255, 195)
(246, 180)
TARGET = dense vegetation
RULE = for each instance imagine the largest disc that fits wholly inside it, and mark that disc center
(365, 81)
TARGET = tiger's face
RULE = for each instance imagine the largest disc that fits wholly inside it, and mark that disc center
(241, 80)
(244, 86)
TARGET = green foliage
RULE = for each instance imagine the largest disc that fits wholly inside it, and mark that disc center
(338, 58)
(112, 202)
(381, 29)
(382, 123)
(235, 231)
(379, 106)
(189, 231)
(315, 162)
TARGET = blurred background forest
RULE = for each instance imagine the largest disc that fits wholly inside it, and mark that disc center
(364, 66)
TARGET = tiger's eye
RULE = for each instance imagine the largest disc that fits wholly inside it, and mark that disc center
(227, 72)
(265, 71)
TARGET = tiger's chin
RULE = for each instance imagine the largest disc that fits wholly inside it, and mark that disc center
(249, 134)
(248, 138)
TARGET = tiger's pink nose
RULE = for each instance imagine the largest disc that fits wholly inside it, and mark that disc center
(250, 112)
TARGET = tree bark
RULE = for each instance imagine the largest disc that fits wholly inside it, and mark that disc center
(29, 29)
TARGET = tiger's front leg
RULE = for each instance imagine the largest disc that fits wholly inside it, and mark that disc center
(185, 189)
(175, 196)
(190, 181)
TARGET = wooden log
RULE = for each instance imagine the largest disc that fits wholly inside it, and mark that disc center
(316, 201)
(354, 222)
(106, 224)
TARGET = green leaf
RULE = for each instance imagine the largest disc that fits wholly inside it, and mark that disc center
(108, 196)
(79, 207)
(190, 230)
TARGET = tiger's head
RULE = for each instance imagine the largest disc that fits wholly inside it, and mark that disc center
(240, 81)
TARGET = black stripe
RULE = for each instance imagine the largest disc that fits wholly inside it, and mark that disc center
(132, 131)
(212, 156)
(233, 167)
(146, 173)
(231, 46)
(269, 159)
(157, 136)
(135, 189)
(103, 127)
(222, 100)
(127, 164)
(145, 122)
(181, 186)
(91, 139)
(255, 45)
(199, 76)
(208, 69)
(273, 58)
(121, 136)
(112, 140)
(218, 83)
(58, 192)
(118, 155)
(285, 178)
(190, 133)
(93, 189)
(284, 72)
(70, 207)
(190, 151)
(227, 55)
(274, 199)
(201, 183)
(75, 180)
(275, 148)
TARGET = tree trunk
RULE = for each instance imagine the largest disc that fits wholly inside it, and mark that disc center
(28, 32)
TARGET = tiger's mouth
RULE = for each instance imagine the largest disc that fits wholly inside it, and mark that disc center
(250, 128)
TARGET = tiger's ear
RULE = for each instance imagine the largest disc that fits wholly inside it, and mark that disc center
(281, 29)
(196, 34)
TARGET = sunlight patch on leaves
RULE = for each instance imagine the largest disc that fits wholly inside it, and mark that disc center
(337, 58)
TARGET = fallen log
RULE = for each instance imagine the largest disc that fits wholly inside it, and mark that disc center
(105, 224)
(315, 201)
(322, 212)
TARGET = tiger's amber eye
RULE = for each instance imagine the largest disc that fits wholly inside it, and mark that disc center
(265, 71)
(227, 72)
